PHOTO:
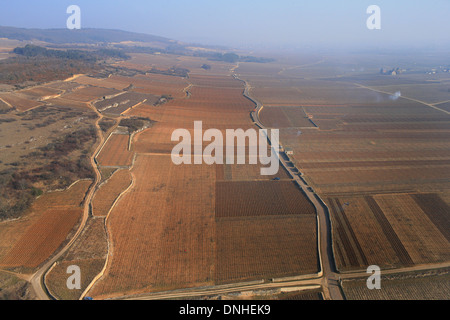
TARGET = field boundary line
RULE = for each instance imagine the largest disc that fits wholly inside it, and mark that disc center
(121, 194)
(108, 235)
(355, 274)
(44, 280)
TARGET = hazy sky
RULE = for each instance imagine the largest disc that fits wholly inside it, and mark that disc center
(293, 23)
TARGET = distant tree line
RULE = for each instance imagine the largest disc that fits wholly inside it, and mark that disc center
(88, 56)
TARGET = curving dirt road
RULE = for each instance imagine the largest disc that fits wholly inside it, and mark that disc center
(37, 280)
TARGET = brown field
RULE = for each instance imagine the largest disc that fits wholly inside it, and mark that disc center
(91, 244)
(347, 247)
(62, 85)
(194, 64)
(109, 191)
(161, 85)
(115, 152)
(307, 296)
(188, 226)
(372, 149)
(4, 106)
(56, 279)
(123, 102)
(14, 288)
(150, 232)
(373, 180)
(43, 238)
(266, 246)
(145, 110)
(180, 236)
(444, 106)
(216, 108)
(314, 92)
(260, 198)
(285, 117)
(421, 286)
(53, 216)
(430, 93)
(145, 62)
(19, 101)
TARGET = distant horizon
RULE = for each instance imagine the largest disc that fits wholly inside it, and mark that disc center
(286, 24)
(280, 49)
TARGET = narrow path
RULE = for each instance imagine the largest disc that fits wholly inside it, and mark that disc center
(37, 281)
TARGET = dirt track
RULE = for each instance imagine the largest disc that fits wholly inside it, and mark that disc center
(37, 281)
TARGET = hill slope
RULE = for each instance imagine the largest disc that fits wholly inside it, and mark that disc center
(86, 36)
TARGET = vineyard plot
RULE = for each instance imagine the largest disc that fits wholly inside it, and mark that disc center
(260, 198)
(115, 153)
(265, 247)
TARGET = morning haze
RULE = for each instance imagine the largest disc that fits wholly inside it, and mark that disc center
(252, 24)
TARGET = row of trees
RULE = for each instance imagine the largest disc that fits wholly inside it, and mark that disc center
(90, 56)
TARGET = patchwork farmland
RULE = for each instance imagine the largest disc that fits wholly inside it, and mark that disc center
(190, 239)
